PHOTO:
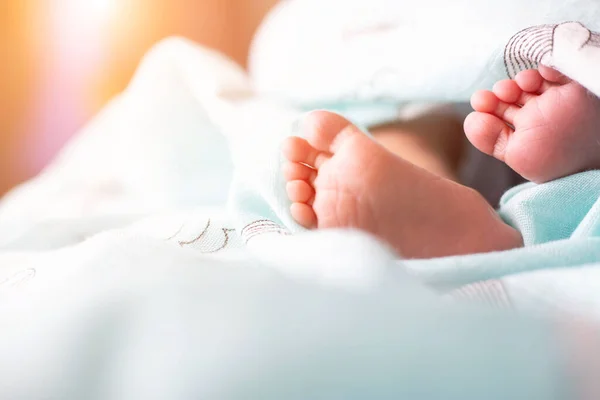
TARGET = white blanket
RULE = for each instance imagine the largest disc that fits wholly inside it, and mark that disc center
(367, 58)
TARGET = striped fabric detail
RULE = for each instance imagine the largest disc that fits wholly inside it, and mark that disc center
(594, 39)
(261, 226)
(528, 48)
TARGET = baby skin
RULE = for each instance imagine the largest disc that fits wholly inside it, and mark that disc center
(541, 124)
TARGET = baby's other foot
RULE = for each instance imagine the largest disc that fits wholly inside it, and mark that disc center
(338, 177)
(543, 125)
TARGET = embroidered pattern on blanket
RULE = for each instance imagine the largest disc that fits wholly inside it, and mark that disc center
(528, 48)
(213, 238)
(260, 227)
(594, 40)
(210, 240)
(533, 45)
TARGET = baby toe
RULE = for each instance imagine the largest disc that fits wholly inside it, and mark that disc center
(507, 90)
(300, 191)
(531, 81)
(484, 101)
(298, 150)
(295, 171)
(553, 76)
(304, 215)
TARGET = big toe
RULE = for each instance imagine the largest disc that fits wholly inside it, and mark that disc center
(327, 131)
(488, 133)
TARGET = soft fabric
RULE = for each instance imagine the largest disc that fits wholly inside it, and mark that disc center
(124, 275)
(125, 316)
(368, 58)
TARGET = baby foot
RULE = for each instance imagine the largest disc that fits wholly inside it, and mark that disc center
(338, 177)
(543, 125)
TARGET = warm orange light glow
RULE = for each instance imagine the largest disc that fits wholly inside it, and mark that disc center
(94, 12)
(69, 57)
